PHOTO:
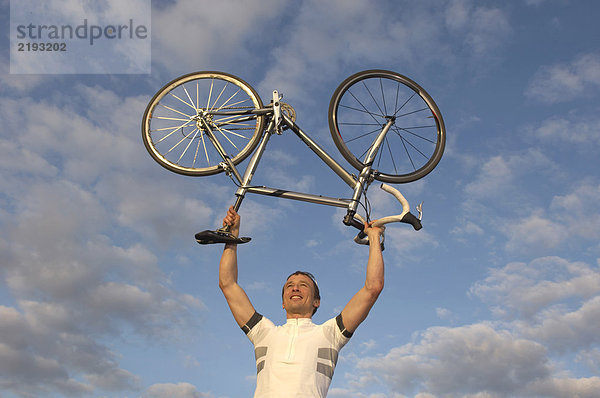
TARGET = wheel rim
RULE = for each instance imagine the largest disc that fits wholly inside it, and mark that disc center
(365, 102)
(176, 121)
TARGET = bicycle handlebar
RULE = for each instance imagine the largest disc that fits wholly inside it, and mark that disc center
(406, 217)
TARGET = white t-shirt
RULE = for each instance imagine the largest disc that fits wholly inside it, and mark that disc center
(297, 359)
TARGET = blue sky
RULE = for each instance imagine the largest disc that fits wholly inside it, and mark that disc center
(104, 292)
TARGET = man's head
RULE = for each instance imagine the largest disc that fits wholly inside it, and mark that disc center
(300, 295)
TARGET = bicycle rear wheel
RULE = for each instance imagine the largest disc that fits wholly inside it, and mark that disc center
(174, 126)
(362, 105)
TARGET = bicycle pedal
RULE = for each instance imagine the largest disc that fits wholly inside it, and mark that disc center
(209, 237)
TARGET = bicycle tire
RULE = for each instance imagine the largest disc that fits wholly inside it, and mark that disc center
(361, 106)
(175, 136)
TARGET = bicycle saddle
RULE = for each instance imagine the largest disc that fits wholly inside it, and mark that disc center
(209, 237)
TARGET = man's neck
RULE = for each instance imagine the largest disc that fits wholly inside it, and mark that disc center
(298, 316)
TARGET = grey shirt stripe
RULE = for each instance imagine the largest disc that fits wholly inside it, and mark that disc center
(325, 369)
(330, 354)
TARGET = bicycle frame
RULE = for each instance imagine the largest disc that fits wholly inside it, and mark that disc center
(276, 122)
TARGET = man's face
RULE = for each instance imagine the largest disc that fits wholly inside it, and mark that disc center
(298, 296)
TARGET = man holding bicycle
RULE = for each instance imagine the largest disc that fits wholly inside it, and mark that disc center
(298, 358)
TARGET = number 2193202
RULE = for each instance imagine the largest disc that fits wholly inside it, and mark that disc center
(41, 46)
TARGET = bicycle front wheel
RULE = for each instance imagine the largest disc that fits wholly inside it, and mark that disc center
(177, 121)
(364, 103)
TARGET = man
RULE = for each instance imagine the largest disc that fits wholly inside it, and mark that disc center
(297, 360)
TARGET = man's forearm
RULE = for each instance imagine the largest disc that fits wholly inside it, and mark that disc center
(375, 266)
(228, 270)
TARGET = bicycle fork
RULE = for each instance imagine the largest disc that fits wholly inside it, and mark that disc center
(366, 176)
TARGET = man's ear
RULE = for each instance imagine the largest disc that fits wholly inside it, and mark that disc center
(316, 303)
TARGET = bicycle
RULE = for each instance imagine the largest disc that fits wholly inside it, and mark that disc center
(205, 123)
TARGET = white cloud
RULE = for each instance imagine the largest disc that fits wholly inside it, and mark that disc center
(320, 43)
(312, 243)
(174, 390)
(500, 174)
(452, 362)
(478, 360)
(495, 174)
(190, 36)
(525, 289)
(586, 387)
(17, 83)
(580, 211)
(572, 218)
(75, 174)
(554, 306)
(576, 129)
(483, 29)
(566, 331)
(534, 233)
(591, 359)
(498, 199)
(446, 314)
(566, 82)
(467, 228)
(403, 239)
(42, 351)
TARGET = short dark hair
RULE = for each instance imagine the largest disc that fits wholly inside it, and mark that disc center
(316, 295)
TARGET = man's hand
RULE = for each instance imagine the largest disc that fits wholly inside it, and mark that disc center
(373, 232)
(232, 219)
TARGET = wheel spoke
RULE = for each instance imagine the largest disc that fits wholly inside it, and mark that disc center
(176, 111)
(374, 100)
(179, 142)
(195, 131)
(383, 96)
(188, 104)
(404, 104)
(213, 106)
(357, 109)
(190, 98)
(205, 151)
(363, 135)
(407, 152)
(365, 108)
(387, 144)
(407, 129)
(173, 131)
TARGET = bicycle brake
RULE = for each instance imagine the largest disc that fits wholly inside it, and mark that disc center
(225, 168)
(228, 172)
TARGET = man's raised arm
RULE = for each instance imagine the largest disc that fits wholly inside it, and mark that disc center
(238, 301)
(359, 306)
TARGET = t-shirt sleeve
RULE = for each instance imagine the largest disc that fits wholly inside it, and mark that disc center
(340, 324)
(257, 328)
(254, 319)
(336, 333)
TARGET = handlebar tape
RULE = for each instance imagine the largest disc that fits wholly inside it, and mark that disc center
(351, 221)
(409, 218)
